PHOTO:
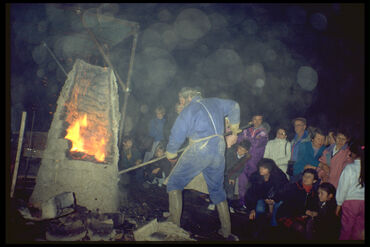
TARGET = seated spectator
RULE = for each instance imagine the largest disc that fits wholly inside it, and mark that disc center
(261, 195)
(334, 159)
(258, 137)
(308, 155)
(130, 156)
(350, 196)
(158, 171)
(326, 225)
(279, 150)
(300, 200)
(156, 130)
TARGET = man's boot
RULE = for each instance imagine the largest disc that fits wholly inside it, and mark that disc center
(224, 215)
(175, 206)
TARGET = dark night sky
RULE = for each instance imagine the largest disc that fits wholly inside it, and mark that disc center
(283, 60)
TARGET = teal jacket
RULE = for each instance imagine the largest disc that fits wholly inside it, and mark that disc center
(306, 156)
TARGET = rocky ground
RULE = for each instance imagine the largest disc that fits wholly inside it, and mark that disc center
(145, 204)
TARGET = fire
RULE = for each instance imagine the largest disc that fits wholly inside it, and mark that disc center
(77, 133)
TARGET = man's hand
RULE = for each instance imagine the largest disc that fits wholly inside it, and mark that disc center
(311, 213)
(325, 167)
(231, 140)
(172, 157)
(269, 201)
(337, 211)
(138, 162)
(172, 161)
(252, 214)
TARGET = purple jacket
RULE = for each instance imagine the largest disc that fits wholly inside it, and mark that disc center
(258, 139)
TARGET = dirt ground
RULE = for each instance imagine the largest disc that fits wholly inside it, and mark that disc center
(146, 204)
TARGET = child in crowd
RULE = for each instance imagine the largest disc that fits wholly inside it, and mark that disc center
(158, 171)
(326, 225)
(300, 200)
(351, 196)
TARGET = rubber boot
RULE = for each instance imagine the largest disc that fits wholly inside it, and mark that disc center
(224, 215)
(175, 206)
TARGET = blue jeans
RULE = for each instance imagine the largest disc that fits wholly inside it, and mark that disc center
(261, 209)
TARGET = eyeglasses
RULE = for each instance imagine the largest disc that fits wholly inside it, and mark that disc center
(298, 125)
(282, 133)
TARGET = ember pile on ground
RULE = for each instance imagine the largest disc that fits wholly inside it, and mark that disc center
(145, 204)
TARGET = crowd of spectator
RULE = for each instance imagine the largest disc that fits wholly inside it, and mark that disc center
(311, 186)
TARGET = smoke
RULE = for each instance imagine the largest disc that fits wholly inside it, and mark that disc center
(269, 58)
(192, 24)
(307, 78)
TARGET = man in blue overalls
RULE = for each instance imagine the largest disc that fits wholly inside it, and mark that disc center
(202, 121)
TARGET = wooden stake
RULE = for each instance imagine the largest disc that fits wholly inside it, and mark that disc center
(20, 141)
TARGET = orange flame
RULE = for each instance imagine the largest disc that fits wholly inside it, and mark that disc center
(76, 133)
(89, 133)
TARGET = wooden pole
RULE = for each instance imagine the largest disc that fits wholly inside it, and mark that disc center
(20, 141)
(127, 90)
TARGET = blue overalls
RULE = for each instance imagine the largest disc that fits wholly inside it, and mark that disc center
(202, 121)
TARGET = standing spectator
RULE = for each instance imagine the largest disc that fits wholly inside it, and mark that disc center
(130, 156)
(351, 196)
(279, 150)
(170, 119)
(330, 139)
(326, 225)
(203, 122)
(301, 136)
(156, 130)
(334, 159)
(261, 195)
(300, 200)
(309, 154)
(258, 137)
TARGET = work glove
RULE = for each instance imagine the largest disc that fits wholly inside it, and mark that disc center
(172, 158)
(235, 129)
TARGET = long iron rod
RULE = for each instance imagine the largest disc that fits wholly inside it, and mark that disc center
(164, 156)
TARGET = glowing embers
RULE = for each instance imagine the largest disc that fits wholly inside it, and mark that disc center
(94, 145)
